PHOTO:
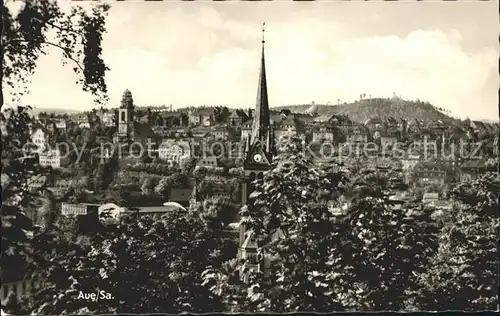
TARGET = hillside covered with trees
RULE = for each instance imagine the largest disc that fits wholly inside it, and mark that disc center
(364, 109)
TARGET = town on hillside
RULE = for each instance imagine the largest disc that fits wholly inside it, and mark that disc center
(382, 204)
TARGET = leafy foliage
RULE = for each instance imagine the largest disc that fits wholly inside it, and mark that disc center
(19, 164)
(392, 241)
(290, 201)
(78, 35)
(147, 265)
(466, 264)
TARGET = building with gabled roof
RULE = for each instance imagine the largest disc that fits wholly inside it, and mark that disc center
(202, 116)
(236, 118)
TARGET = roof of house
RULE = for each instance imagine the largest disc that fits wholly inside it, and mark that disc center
(201, 129)
(154, 209)
(392, 120)
(313, 109)
(37, 126)
(473, 164)
(288, 121)
(389, 134)
(171, 114)
(249, 242)
(203, 111)
(477, 124)
(430, 196)
(373, 120)
(36, 179)
(322, 129)
(237, 114)
(321, 118)
(180, 194)
(209, 158)
(170, 142)
(248, 124)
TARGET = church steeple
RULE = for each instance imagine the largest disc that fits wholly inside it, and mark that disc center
(261, 121)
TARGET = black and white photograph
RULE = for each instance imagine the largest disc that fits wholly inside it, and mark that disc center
(188, 157)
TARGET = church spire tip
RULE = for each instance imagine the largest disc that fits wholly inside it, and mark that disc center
(263, 30)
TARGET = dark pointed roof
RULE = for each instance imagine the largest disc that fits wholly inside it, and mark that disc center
(261, 120)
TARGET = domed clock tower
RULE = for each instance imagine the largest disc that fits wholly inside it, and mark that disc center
(125, 115)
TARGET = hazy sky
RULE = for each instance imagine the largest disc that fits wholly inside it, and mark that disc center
(194, 53)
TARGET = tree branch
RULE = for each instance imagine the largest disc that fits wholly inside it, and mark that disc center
(63, 29)
(66, 53)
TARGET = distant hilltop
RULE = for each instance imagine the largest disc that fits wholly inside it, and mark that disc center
(364, 109)
(39, 110)
(358, 111)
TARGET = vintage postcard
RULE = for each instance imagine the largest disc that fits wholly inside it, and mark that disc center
(249, 156)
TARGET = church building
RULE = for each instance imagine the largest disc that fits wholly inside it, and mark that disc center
(259, 153)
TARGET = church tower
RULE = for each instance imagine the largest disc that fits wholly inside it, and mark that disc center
(125, 115)
(259, 146)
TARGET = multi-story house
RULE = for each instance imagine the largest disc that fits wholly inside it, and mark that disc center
(3, 124)
(236, 118)
(61, 125)
(321, 119)
(428, 173)
(194, 119)
(409, 162)
(220, 132)
(200, 131)
(222, 191)
(36, 182)
(51, 158)
(285, 128)
(84, 125)
(374, 123)
(50, 127)
(3, 129)
(170, 118)
(402, 126)
(21, 289)
(343, 123)
(477, 126)
(436, 127)
(209, 161)
(214, 178)
(472, 169)
(357, 134)
(38, 137)
(246, 129)
(322, 133)
(391, 123)
(61, 186)
(174, 151)
(203, 116)
(388, 139)
(108, 119)
(430, 197)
